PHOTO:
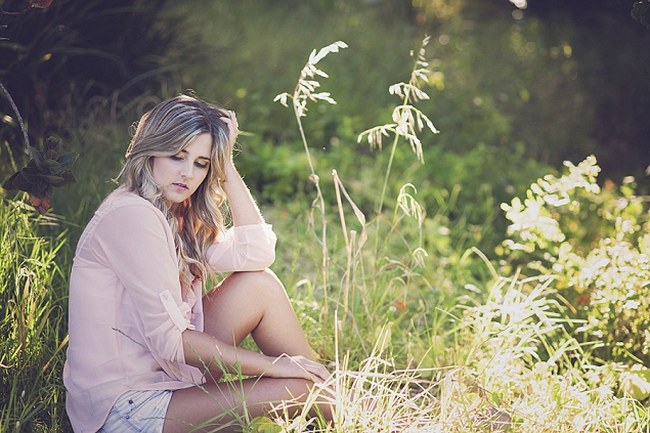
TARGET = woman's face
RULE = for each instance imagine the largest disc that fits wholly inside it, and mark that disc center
(178, 176)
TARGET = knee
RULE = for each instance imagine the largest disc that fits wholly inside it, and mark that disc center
(298, 388)
(321, 399)
(264, 281)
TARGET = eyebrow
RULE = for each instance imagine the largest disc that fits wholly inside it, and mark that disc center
(206, 158)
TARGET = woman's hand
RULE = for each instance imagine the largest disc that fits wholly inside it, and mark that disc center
(243, 208)
(286, 366)
(233, 129)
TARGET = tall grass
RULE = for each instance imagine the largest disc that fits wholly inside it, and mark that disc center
(33, 321)
(511, 364)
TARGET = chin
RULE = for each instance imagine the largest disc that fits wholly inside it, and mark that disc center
(175, 198)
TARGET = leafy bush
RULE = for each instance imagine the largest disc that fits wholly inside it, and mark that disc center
(60, 61)
(521, 359)
(595, 243)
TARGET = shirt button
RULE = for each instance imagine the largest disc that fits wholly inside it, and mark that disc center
(130, 401)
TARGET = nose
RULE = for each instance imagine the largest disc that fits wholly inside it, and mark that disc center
(187, 171)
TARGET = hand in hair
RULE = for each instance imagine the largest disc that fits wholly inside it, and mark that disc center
(233, 128)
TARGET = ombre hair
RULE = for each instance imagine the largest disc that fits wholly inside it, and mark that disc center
(164, 131)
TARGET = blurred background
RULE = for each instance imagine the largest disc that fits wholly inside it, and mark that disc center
(516, 87)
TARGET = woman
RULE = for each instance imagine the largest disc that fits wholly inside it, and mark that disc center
(147, 348)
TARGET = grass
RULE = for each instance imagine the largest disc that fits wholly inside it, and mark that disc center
(512, 365)
(32, 293)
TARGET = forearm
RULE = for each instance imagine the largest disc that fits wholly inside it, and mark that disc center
(243, 208)
(206, 352)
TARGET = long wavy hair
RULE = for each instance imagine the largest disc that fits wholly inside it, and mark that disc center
(164, 131)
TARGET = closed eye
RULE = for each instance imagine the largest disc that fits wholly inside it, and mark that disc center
(201, 163)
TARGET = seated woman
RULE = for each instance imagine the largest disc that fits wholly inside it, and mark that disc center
(147, 349)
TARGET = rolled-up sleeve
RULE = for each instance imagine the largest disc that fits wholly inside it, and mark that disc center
(243, 248)
(137, 243)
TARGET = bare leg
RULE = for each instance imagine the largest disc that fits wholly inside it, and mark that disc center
(244, 303)
(255, 303)
(220, 407)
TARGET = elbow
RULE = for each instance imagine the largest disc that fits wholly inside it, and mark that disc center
(269, 258)
(169, 348)
(261, 261)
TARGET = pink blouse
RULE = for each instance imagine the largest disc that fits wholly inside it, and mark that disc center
(126, 313)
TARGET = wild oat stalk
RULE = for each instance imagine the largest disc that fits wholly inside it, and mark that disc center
(408, 121)
(19, 118)
(305, 91)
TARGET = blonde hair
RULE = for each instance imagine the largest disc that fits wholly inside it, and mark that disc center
(164, 131)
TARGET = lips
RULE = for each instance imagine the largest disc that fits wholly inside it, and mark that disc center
(180, 185)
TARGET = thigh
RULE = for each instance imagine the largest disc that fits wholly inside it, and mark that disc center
(226, 406)
(255, 303)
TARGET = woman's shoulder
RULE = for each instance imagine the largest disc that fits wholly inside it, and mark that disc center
(127, 206)
(121, 198)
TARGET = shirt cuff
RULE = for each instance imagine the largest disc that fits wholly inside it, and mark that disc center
(179, 314)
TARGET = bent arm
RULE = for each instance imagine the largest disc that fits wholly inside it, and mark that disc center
(207, 353)
(243, 248)
(250, 244)
(243, 208)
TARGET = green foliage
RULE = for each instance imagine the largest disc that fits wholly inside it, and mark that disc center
(595, 244)
(42, 173)
(32, 323)
(513, 346)
(521, 359)
(277, 173)
(59, 61)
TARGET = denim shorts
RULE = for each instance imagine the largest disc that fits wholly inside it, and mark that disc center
(138, 411)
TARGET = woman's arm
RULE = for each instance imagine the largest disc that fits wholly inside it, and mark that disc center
(243, 208)
(206, 352)
(250, 244)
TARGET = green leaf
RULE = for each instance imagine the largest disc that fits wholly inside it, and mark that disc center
(32, 173)
(68, 179)
(54, 168)
(49, 163)
(13, 181)
(68, 159)
(262, 424)
(37, 157)
(52, 178)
